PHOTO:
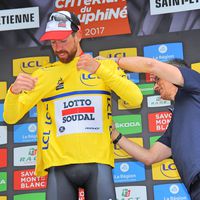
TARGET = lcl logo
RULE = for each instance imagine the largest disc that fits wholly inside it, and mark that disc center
(29, 65)
(89, 79)
(116, 55)
(169, 170)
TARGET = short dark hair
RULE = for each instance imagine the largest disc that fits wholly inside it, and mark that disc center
(177, 62)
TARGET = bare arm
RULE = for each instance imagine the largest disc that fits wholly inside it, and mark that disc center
(156, 153)
(149, 65)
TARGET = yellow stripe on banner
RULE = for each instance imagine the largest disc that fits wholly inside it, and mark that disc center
(29, 65)
(3, 198)
(3, 90)
(196, 67)
(120, 154)
(165, 170)
(118, 53)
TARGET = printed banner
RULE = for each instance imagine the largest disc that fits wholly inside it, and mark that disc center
(28, 65)
(3, 197)
(3, 158)
(1, 112)
(196, 67)
(131, 193)
(3, 181)
(156, 101)
(126, 172)
(31, 196)
(169, 6)
(3, 135)
(118, 53)
(21, 18)
(98, 18)
(26, 180)
(170, 191)
(24, 133)
(164, 52)
(25, 156)
(147, 88)
(165, 170)
(128, 124)
(158, 122)
(3, 90)
(119, 153)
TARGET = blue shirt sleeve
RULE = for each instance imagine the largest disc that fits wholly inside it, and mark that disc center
(191, 79)
(166, 137)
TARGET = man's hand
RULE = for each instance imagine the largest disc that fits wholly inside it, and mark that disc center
(23, 82)
(115, 133)
(100, 58)
(88, 63)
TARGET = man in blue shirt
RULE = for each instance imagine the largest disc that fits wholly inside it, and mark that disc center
(176, 82)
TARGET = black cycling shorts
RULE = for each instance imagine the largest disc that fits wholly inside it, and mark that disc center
(95, 179)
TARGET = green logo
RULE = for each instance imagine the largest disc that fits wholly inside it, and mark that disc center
(153, 139)
(31, 196)
(147, 89)
(3, 181)
(128, 124)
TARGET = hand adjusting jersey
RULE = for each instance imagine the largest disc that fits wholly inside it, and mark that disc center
(74, 112)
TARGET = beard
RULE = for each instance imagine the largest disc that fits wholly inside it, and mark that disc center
(69, 56)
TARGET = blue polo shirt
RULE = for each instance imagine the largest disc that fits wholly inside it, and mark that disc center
(183, 132)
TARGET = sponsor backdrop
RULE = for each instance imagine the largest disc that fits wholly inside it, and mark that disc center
(159, 39)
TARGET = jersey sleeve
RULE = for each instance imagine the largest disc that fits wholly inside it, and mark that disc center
(117, 81)
(16, 106)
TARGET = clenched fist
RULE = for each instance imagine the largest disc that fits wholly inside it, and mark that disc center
(23, 82)
(88, 63)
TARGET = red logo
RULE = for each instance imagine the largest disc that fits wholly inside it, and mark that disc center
(26, 180)
(149, 77)
(158, 122)
(97, 17)
(3, 158)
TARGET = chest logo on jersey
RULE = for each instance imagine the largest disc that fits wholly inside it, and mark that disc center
(80, 114)
(60, 84)
(89, 79)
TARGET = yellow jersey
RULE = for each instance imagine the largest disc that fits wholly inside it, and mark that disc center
(74, 112)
